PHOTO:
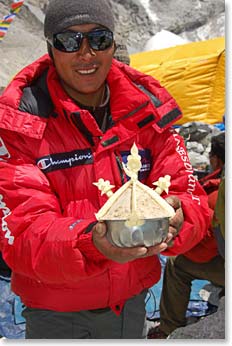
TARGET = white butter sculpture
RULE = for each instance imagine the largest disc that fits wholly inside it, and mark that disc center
(134, 202)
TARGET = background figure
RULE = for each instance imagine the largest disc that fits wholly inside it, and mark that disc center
(67, 120)
(202, 262)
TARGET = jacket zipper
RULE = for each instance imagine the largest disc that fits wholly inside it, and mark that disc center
(120, 167)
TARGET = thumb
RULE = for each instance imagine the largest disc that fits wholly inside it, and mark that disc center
(100, 229)
(174, 201)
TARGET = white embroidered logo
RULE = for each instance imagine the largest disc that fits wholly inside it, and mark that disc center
(6, 211)
(188, 168)
(46, 163)
(4, 153)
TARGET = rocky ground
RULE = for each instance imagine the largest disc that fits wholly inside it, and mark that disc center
(210, 327)
(136, 22)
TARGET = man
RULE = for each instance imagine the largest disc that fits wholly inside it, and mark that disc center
(67, 120)
(202, 262)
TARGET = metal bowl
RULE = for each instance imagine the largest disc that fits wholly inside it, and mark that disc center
(152, 232)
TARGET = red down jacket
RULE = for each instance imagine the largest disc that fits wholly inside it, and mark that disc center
(51, 153)
(208, 247)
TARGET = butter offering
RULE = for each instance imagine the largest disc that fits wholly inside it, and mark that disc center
(134, 202)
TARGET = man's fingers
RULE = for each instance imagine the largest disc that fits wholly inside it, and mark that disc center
(155, 250)
(174, 201)
(100, 229)
(118, 254)
(123, 255)
(177, 220)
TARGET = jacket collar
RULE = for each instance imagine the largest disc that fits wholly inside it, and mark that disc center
(127, 99)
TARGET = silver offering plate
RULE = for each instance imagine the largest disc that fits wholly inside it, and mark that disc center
(150, 233)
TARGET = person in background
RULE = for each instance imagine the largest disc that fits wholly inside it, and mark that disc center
(202, 262)
(66, 121)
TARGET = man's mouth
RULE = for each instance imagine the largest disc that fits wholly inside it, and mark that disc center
(90, 71)
(86, 71)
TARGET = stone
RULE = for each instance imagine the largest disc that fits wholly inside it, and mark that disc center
(209, 327)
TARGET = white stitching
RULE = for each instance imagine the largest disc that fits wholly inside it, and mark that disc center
(6, 212)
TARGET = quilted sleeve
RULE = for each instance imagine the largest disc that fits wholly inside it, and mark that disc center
(170, 157)
(35, 239)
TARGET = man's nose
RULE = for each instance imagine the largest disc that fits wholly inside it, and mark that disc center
(85, 48)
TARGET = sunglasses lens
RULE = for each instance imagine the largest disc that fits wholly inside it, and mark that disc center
(71, 41)
(67, 41)
(100, 39)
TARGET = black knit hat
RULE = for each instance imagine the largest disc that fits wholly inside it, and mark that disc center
(61, 14)
(218, 146)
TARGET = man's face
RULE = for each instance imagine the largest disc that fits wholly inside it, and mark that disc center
(215, 162)
(83, 72)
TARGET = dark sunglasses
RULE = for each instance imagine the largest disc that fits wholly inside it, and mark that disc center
(70, 41)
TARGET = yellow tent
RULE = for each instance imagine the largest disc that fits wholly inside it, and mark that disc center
(193, 73)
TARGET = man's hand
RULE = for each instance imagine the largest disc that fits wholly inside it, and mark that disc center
(176, 222)
(118, 254)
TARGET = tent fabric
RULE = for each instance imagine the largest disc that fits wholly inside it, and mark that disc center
(193, 73)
